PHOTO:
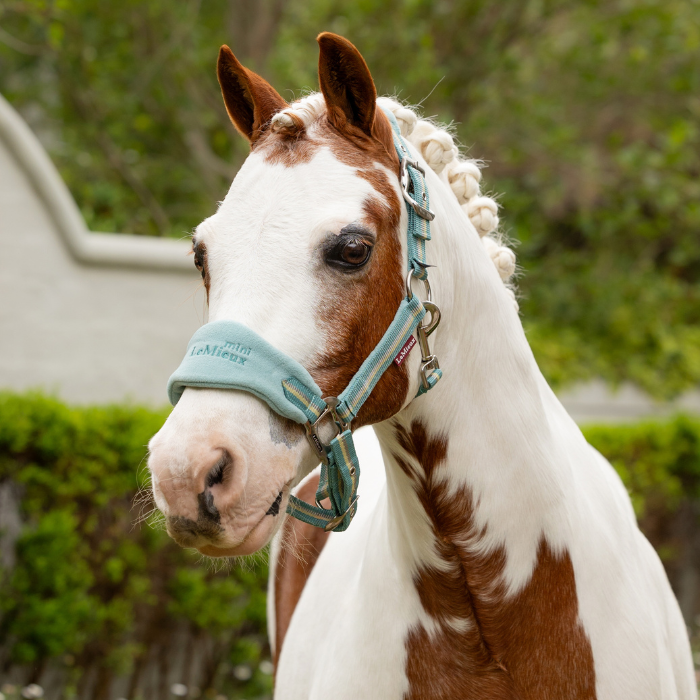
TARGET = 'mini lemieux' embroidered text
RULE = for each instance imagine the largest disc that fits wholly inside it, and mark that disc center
(233, 352)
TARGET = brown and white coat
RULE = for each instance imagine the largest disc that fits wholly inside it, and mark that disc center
(495, 554)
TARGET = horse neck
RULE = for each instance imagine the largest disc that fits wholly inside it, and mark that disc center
(481, 440)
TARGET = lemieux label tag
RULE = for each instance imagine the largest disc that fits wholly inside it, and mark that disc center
(403, 353)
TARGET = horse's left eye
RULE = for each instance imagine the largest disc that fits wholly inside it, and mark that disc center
(349, 254)
(355, 252)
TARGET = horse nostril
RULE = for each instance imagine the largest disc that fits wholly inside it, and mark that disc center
(218, 472)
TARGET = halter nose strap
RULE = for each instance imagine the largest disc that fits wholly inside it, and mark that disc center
(229, 355)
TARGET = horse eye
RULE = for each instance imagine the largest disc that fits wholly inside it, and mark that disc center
(348, 254)
(199, 253)
(355, 252)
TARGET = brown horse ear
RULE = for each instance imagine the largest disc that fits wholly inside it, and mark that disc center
(346, 84)
(250, 100)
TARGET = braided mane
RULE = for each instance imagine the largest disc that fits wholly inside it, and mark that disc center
(437, 146)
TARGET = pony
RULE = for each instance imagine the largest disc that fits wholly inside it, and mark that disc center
(495, 554)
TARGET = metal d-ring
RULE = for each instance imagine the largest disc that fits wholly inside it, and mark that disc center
(409, 290)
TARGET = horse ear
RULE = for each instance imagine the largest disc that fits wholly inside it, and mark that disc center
(346, 84)
(250, 100)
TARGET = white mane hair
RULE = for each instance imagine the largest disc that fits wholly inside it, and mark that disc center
(438, 148)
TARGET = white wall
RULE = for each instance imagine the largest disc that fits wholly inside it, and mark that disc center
(104, 317)
(91, 317)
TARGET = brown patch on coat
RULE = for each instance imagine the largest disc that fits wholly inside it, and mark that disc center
(528, 646)
(301, 546)
(289, 147)
(296, 145)
(355, 317)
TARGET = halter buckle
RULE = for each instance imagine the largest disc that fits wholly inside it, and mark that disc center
(407, 188)
(312, 428)
(332, 524)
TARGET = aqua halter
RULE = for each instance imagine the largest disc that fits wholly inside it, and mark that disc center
(229, 355)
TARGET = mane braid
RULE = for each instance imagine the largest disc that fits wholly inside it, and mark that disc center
(437, 146)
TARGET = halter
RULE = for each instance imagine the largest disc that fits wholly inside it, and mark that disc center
(229, 355)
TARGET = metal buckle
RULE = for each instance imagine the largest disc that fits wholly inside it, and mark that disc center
(332, 524)
(312, 428)
(407, 185)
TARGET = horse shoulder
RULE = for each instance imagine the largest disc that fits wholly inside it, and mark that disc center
(294, 554)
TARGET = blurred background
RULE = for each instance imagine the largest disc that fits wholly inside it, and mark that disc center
(587, 114)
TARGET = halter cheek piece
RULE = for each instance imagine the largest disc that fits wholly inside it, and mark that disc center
(229, 355)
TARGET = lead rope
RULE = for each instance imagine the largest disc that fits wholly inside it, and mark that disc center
(340, 469)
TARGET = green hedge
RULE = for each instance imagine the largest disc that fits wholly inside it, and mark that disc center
(90, 588)
(659, 461)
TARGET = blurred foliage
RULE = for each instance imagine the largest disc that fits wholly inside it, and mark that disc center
(658, 461)
(90, 588)
(586, 111)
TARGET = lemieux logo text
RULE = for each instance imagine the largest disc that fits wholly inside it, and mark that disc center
(403, 353)
(233, 352)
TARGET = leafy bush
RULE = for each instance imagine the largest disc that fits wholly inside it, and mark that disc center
(659, 462)
(90, 589)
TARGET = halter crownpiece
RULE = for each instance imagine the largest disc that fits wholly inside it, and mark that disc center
(229, 355)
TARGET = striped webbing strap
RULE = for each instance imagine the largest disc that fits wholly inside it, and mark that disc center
(418, 227)
(340, 469)
(339, 480)
(340, 472)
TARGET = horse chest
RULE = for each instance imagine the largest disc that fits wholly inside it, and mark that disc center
(349, 629)
(365, 626)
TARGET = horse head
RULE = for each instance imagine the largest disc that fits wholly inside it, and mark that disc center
(305, 250)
